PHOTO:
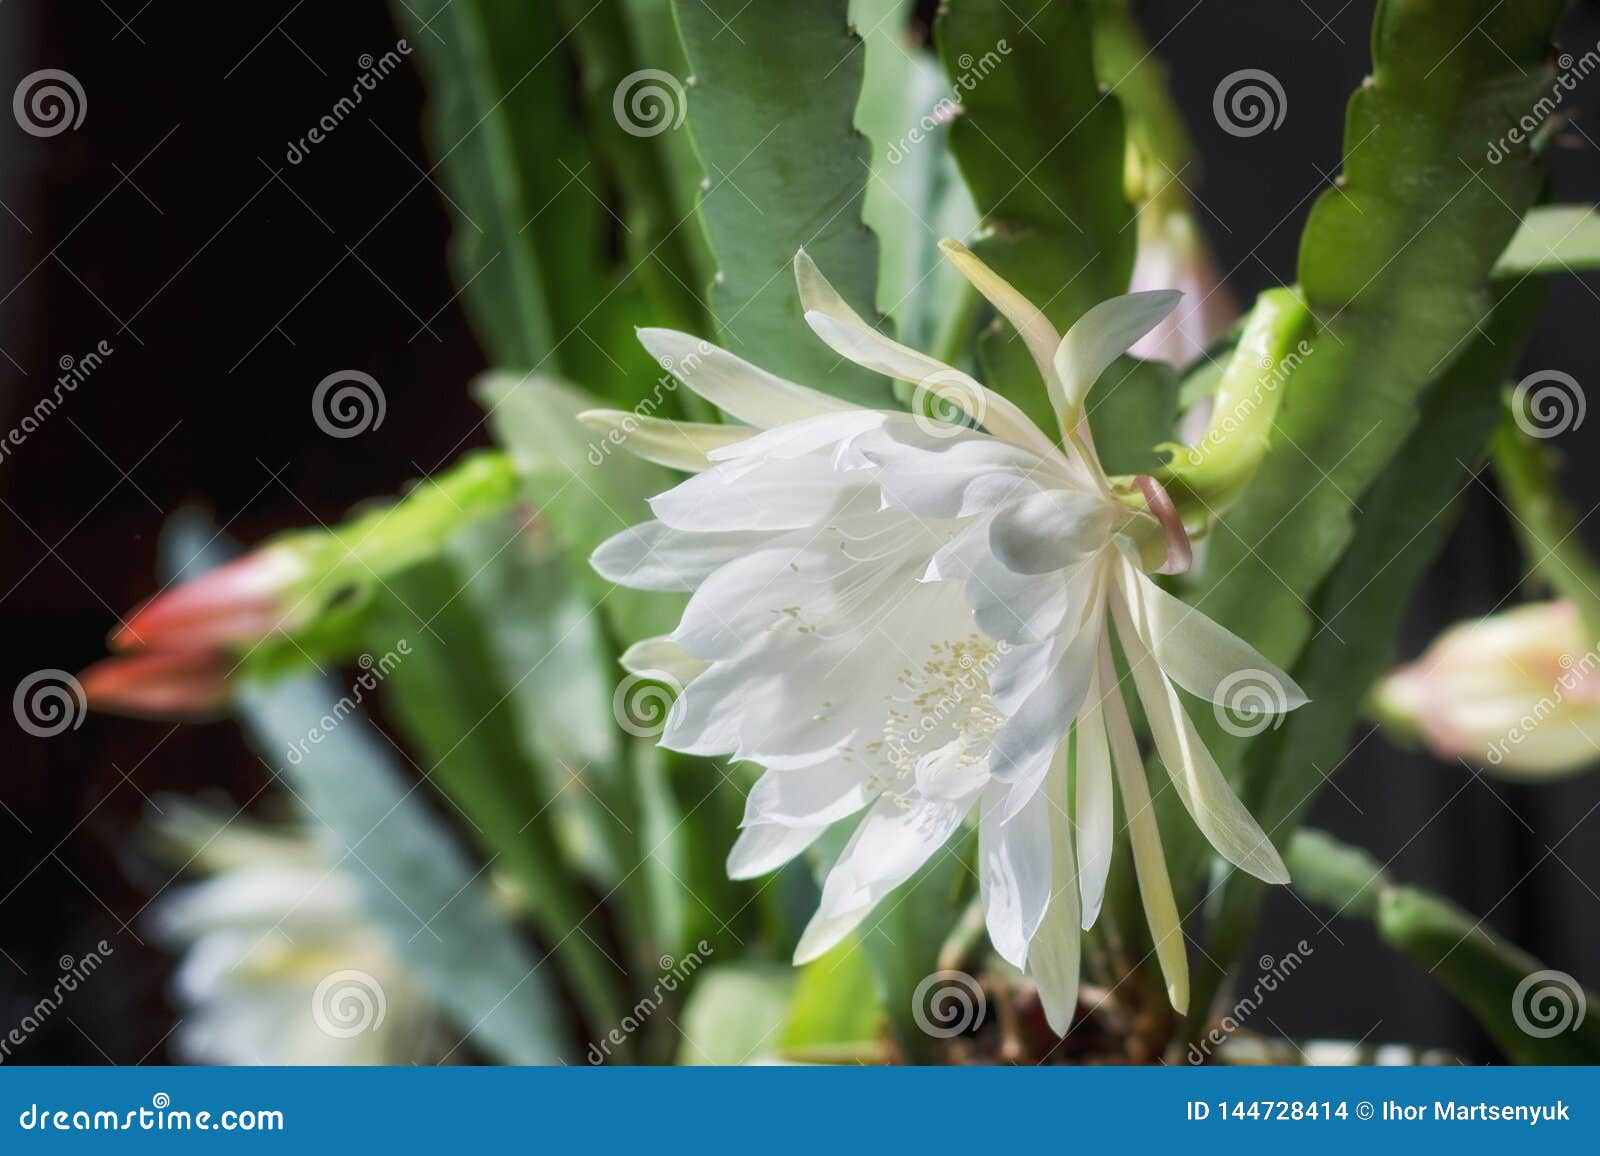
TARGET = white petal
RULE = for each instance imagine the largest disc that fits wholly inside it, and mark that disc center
(967, 478)
(793, 699)
(680, 445)
(767, 847)
(1203, 657)
(1018, 609)
(799, 438)
(832, 319)
(1102, 335)
(653, 556)
(779, 495)
(951, 772)
(1033, 326)
(1149, 863)
(1049, 531)
(1216, 810)
(808, 582)
(1014, 870)
(660, 653)
(732, 384)
(825, 932)
(1024, 746)
(808, 797)
(1092, 813)
(894, 839)
(1054, 955)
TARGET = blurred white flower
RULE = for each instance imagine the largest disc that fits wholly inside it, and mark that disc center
(911, 618)
(280, 964)
(1517, 693)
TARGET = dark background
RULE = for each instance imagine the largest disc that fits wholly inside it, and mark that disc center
(229, 282)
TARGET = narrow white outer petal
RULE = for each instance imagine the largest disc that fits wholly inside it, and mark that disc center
(732, 384)
(1149, 863)
(1034, 327)
(649, 655)
(832, 319)
(895, 838)
(1014, 871)
(768, 846)
(1102, 335)
(1199, 655)
(1093, 810)
(1216, 810)
(680, 445)
(653, 556)
(1055, 953)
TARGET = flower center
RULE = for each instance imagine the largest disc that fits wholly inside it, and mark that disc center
(943, 704)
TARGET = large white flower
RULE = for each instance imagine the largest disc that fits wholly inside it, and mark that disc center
(913, 619)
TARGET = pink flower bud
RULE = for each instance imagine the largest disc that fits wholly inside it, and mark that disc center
(241, 601)
(173, 684)
(1516, 692)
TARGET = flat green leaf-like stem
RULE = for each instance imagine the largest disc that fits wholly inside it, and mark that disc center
(1535, 1014)
(771, 112)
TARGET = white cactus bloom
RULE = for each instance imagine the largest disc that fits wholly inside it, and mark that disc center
(280, 965)
(913, 619)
